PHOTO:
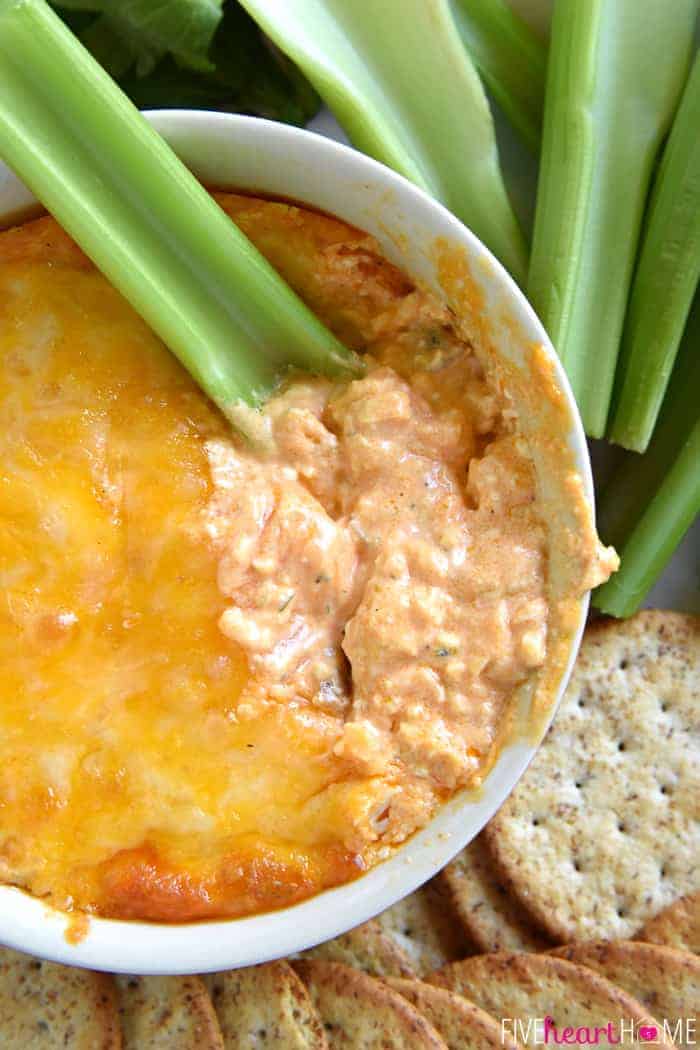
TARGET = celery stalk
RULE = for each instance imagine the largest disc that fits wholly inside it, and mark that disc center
(511, 58)
(615, 74)
(653, 499)
(666, 279)
(401, 83)
(120, 191)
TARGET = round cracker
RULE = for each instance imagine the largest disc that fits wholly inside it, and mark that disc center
(493, 919)
(664, 980)
(44, 1005)
(517, 987)
(365, 948)
(461, 1024)
(166, 1013)
(265, 1006)
(362, 1013)
(677, 926)
(424, 927)
(603, 830)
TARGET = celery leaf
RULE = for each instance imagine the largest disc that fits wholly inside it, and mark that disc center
(206, 54)
(140, 32)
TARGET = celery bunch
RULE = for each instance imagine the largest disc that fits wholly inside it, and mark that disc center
(665, 281)
(615, 74)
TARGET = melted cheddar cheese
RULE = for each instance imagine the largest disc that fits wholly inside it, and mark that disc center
(122, 763)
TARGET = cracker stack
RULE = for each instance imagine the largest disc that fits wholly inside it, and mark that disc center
(603, 831)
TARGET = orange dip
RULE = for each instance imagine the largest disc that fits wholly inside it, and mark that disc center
(235, 674)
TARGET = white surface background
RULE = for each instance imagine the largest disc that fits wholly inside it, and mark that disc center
(679, 586)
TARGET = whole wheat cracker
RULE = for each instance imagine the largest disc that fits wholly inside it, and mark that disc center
(43, 1005)
(166, 1013)
(521, 986)
(362, 1013)
(664, 980)
(603, 830)
(265, 1006)
(678, 925)
(424, 925)
(367, 948)
(493, 919)
(461, 1024)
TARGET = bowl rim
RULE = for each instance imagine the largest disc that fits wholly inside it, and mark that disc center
(29, 924)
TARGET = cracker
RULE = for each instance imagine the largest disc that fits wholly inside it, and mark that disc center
(461, 1024)
(361, 1013)
(518, 987)
(166, 1013)
(493, 919)
(424, 927)
(602, 832)
(45, 1005)
(365, 948)
(265, 1006)
(664, 980)
(678, 926)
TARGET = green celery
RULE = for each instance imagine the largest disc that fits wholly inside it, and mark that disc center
(615, 74)
(665, 281)
(120, 191)
(511, 58)
(653, 499)
(402, 85)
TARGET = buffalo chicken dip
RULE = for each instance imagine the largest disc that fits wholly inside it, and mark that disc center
(238, 671)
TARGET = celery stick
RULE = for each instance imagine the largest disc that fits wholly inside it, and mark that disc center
(615, 74)
(120, 191)
(653, 499)
(511, 58)
(666, 279)
(401, 83)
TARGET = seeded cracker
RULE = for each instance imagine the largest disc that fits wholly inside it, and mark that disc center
(424, 927)
(361, 1013)
(44, 1005)
(678, 926)
(603, 831)
(166, 1013)
(265, 1007)
(494, 921)
(665, 981)
(522, 986)
(366, 948)
(461, 1024)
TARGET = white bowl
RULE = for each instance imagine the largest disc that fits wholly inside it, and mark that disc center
(237, 152)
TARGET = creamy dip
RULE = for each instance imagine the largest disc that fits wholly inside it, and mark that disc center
(238, 672)
(384, 564)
